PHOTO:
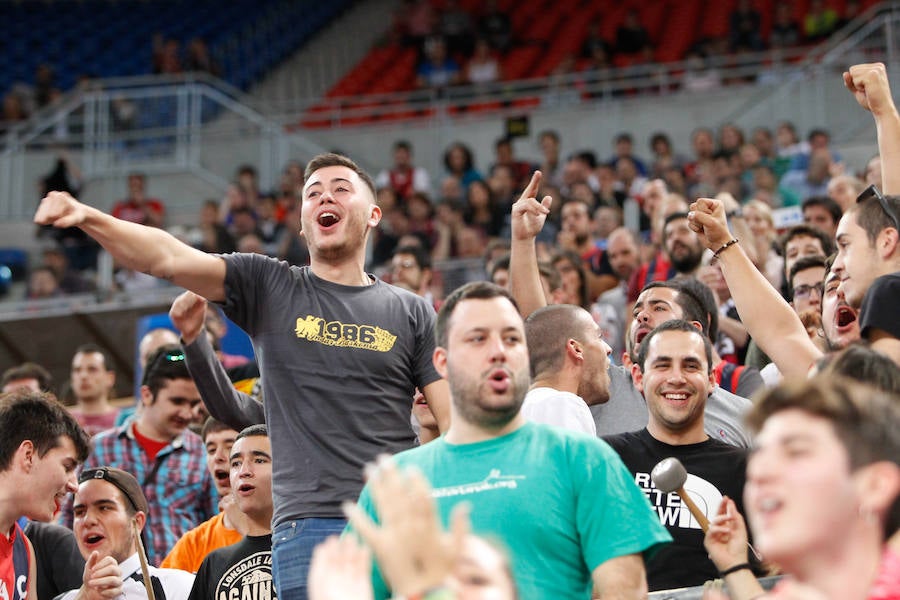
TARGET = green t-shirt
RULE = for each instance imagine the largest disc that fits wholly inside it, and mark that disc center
(561, 502)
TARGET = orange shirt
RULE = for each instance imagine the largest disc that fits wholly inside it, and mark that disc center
(193, 546)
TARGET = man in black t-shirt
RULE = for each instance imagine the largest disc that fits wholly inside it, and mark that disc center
(674, 373)
(244, 569)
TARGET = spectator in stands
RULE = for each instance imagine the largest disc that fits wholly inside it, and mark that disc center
(840, 321)
(573, 279)
(803, 240)
(199, 59)
(577, 236)
(629, 176)
(45, 89)
(495, 26)
(844, 189)
(631, 37)
(251, 481)
(160, 451)
(823, 213)
(70, 280)
(504, 154)
(683, 248)
(788, 141)
(815, 437)
(812, 180)
(42, 448)
(93, 381)
(404, 177)
(704, 147)
(873, 171)
(26, 376)
(807, 290)
(411, 268)
(420, 22)
(483, 66)
(438, 70)
(491, 412)
(744, 26)
(482, 210)
(594, 41)
(664, 156)
(42, 284)
(460, 163)
(13, 111)
(675, 375)
(623, 146)
(551, 164)
(110, 512)
(819, 22)
(769, 261)
(609, 311)
(221, 530)
(569, 361)
(731, 138)
(137, 207)
(784, 33)
(166, 55)
(211, 235)
(455, 25)
(247, 179)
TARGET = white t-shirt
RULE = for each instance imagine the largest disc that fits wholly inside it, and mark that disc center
(560, 409)
(176, 584)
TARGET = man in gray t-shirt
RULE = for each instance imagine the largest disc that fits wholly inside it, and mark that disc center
(340, 352)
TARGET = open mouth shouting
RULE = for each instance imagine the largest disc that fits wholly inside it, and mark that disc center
(499, 380)
(844, 318)
(327, 219)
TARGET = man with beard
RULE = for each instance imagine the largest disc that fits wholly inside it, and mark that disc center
(532, 486)
(674, 372)
(576, 235)
(569, 361)
(658, 302)
(682, 246)
(373, 339)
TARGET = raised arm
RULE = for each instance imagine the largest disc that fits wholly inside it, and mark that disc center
(222, 400)
(528, 216)
(145, 249)
(768, 318)
(869, 84)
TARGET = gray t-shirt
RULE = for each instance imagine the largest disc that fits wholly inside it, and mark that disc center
(627, 411)
(338, 365)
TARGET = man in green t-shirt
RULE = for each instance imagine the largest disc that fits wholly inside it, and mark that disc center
(562, 502)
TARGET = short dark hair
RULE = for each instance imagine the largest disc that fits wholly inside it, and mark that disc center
(807, 231)
(331, 159)
(164, 364)
(212, 425)
(94, 349)
(660, 136)
(259, 429)
(862, 363)
(624, 137)
(865, 420)
(468, 161)
(549, 272)
(546, 332)
(476, 290)
(28, 370)
(833, 208)
(674, 325)
(870, 215)
(573, 259)
(403, 145)
(817, 132)
(550, 133)
(802, 264)
(691, 306)
(420, 254)
(38, 417)
(500, 264)
(694, 293)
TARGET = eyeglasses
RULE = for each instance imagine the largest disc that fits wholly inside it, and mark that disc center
(872, 191)
(805, 291)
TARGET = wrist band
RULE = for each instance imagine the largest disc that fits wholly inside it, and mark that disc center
(735, 569)
(727, 244)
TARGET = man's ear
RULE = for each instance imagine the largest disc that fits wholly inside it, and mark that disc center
(574, 350)
(25, 455)
(439, 360)
(637, 376)
(146, 396)
(698, 325)
(141, 519)
(878, 485)
(374, 216)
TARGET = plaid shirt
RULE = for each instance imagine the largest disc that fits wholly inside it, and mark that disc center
(181, 495)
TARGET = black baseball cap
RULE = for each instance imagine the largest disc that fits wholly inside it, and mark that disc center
(123, 480)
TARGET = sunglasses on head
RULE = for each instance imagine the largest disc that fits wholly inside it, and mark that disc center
(169, 356)
(872, 192)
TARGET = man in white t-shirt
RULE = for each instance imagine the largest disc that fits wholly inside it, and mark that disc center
(569, 367)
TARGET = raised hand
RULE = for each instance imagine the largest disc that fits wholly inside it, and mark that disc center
(341, 569)
(726, 538)
(528, 215)
(413, 550)
(102, 579)
(61, 210)
(869, 85)
(707, 218)
(188, 314)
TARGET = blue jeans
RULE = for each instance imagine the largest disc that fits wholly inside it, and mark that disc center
(292, 548)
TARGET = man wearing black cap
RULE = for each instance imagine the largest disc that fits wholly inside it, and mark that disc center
(110, 511)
